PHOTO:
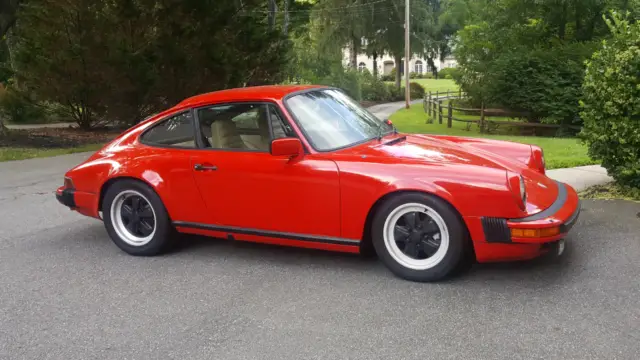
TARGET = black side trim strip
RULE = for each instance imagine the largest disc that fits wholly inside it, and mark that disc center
(275, 234)
(560, 200)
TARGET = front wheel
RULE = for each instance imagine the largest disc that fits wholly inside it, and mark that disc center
(136, 218)
(419, 237)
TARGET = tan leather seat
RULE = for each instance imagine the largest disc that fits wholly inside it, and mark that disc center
(262, 140)
(224, 135)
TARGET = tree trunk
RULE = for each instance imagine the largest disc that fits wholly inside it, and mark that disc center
(10, 41)
(8, 15)
(375, 65)
(578, 15)
(3, 129)
(432, 66)
(398, 60)
(353, 55)
(272, 14)
(563, 22)
(285, 27)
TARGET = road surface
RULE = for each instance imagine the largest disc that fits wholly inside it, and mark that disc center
(66, 292)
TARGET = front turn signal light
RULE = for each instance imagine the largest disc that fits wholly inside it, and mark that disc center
(535, 233)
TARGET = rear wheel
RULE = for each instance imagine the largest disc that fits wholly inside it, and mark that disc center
(419, 237)
(136, 219)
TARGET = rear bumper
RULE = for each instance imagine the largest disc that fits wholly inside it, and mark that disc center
(498, 239)
(66, 197)
(83, 202)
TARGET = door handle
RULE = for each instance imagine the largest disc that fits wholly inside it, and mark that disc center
(200, 167)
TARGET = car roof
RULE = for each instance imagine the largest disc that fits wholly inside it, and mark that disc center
(265, 92)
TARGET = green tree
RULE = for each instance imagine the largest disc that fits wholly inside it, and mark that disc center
(528, 56)
(611, 102)
(343, 23)
(8, 9)
(390, 27)
(123, 60)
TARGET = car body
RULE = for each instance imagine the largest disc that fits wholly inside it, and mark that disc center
(305, 166)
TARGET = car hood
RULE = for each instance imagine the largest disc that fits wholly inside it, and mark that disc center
(425, 149)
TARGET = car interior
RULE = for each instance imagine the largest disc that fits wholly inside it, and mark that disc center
(243, 127)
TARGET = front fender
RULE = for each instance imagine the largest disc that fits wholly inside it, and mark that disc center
(471, 190)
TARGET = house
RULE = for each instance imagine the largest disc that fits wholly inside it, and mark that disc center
(386, 63)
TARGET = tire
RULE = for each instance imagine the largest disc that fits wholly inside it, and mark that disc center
(434, 255)
(118, 208)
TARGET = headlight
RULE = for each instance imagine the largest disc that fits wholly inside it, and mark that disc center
(523, 190)
(518, 189)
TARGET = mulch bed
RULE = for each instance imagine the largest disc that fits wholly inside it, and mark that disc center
(56, 138)
(367, 103)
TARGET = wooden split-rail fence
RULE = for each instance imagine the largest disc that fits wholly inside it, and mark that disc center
(433, 107)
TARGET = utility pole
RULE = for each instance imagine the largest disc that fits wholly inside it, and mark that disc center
(407, 53)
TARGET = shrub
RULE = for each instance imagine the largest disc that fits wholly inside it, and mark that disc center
(19, 108)
(447, 73)
(387, 77)
(544, 82)
(346, 80)
(416, 91)
(394, 93)
(428, 75)
(610, 106)
(373, 89)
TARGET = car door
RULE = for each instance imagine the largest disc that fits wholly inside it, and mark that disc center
(249, 191)
(164, 161)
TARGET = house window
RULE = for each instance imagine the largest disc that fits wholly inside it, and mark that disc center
(362, 66)
(418, 67)
(388, 67)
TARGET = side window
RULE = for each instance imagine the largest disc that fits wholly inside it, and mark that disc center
(280, 128)
(242, 126)
(177, 131)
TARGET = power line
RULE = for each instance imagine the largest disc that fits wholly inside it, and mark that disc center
(326, 9)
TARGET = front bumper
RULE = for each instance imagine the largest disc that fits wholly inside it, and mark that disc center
(546, 226)
(66, 197)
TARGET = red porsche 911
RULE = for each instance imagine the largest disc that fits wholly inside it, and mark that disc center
(307, 166)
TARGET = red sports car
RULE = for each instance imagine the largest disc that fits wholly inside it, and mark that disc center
(307, 166)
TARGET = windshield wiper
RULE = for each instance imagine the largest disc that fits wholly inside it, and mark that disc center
(380, 131)
(381, 128)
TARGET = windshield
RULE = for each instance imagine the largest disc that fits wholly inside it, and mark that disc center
(332, 120)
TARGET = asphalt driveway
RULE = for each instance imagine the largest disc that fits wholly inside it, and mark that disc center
(66, 292)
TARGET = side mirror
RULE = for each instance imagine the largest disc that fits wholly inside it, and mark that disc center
(290, 147)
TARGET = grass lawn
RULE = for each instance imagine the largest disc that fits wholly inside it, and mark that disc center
(434, 85)
(559, 152)
(13, 153)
